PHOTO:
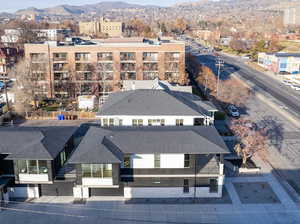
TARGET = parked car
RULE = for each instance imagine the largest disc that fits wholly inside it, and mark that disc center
(233, 111)
(287, 82)
(295, 87)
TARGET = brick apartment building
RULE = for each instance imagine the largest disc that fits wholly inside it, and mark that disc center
(98, 67)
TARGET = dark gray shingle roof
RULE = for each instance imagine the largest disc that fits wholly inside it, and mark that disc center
(153, 102)
(107, 145)
(42, 143)
(94, 149)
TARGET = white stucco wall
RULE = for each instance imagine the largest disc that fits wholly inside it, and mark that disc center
(146, 161)
(36, 178)
(169, 120)
(172, 160)
(97, 181)
(142, 161)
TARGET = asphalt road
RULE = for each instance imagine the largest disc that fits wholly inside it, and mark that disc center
(287, 97)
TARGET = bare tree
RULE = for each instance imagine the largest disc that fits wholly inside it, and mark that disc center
(251, 140)
(27, 89)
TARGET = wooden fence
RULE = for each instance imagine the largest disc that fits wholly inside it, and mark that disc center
(71, 115)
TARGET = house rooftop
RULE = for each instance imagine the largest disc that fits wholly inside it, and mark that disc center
(154, 102)
(40, 143)
(108, 145)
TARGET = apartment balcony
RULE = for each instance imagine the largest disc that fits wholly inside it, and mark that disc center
(150, 67)
(127, 56)
(60, 67)
(60, 57)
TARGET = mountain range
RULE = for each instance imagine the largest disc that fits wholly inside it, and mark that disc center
(202, 5)
(66, 10)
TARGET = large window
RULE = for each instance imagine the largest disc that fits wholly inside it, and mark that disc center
(32, 166)
(213, 185)
(127, 163)
(156, 122)
(186, 188)
(105, 56)
(127, 56)
(179, 122)
(156, 160)
(186, 160)
(150, 56)
(137, 122)
(82, 56)
(96, 170)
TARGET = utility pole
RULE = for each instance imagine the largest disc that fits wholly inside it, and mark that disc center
(219, 63)
(6, 95)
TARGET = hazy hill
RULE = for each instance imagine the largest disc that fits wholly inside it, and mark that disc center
(77, 10)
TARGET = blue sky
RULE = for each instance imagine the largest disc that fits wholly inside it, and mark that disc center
(13, 5)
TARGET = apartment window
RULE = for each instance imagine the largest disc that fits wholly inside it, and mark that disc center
(105, 67)
(61, 76)
(186, 160)
(105, 122)
(186, 188)
(150, 75)
(172, 56)
(82, 56)
(128, 76)
(83, 67)
(137, 122)
(111, 122)
(127, 56)
(86, 88)
(127, 67)
(172, 76)
(213, 185)
(32, 166)
(156, 122)
(84, 76)
(60, 56)
(38, 57)
(105, 76)
(172, 67)
(105, 56)
(150, 56)
(127, 163)
(150, 66)
(179, 122)
(96, 170)
(156, 160)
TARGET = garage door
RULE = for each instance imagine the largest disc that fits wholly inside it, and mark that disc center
(18, 192)
(107, 191)
(57, 189)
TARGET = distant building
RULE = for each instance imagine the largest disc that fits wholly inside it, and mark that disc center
(280, 62)
(11, 35)
(8, 57)
(112, 29)
(207, 34)
(53, 34)
(291, 16)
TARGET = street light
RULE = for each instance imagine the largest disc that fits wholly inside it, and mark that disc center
(219, 63)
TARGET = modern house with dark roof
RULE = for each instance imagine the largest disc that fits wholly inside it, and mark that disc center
(150, 162)
(155, 107)
(31, 158)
